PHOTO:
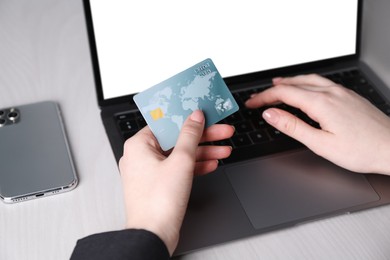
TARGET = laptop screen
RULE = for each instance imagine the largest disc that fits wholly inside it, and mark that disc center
(141, 43)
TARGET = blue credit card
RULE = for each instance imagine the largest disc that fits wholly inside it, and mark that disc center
(166, 105)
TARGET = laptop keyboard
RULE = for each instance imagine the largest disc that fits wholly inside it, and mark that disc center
(129, 123)
(253, 136)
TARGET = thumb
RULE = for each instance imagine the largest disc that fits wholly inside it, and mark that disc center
(190, 134)
(293, 127)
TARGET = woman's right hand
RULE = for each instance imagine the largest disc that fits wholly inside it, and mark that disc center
(354, 134)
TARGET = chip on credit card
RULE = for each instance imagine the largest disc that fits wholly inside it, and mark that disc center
(166, 105)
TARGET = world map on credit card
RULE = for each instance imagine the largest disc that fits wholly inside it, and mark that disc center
(166, 105)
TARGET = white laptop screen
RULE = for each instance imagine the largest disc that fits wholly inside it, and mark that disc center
(141, 43)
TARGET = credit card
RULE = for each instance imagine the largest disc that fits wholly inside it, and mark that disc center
(166, 105)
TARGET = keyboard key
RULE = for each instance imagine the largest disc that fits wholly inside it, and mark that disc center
(141, 122)
(259, 137)
(260, 123)
(234, 118)
(128, 125)
(276, 134)
(124, 116)
(250, 113)
(241, 140)
(243, 127)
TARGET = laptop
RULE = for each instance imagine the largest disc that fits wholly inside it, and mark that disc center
(270, 181)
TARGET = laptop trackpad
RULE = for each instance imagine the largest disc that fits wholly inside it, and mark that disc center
(295, 186)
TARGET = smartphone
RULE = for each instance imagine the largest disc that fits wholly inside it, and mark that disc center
(35, 159)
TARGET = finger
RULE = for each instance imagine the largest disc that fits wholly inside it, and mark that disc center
(276, 80)
(212, 152)
(142, 142)
(205, 167)
(143, 137)
(295, 128)
(293, 96)
(189, 138)
(311, 80)
(143, 133)
(217, 132)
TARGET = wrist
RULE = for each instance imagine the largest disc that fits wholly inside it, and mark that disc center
(169, 240)
(382, 164)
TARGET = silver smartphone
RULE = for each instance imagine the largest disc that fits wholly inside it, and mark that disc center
(35, 159)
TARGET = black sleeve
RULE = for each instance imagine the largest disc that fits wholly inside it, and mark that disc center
(125, 244)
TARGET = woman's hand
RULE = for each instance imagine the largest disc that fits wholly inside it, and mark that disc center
(157, 186)
(354, 134)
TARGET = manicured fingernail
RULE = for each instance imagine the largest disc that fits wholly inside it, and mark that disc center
(197, 116)
(271, 116)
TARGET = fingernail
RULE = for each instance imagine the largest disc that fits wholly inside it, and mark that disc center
(271, 116)
(276, 80)
(197, 116)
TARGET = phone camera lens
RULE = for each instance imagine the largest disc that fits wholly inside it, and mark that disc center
(13, 115)
(2, 122)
